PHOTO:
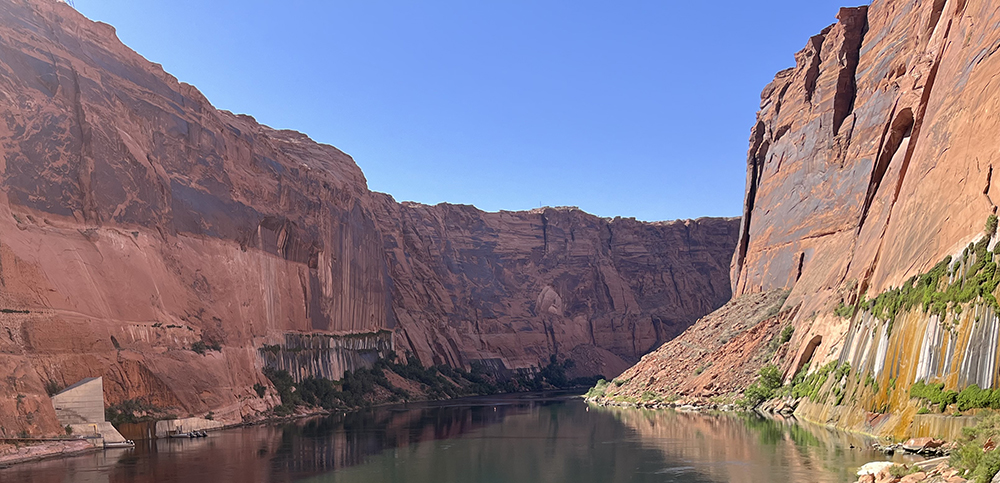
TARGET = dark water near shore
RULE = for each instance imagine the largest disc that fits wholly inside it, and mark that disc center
(539, 438)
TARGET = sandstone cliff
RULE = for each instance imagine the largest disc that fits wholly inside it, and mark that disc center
(514, 287)
(872, 158)
(138, 222)
(871, 161)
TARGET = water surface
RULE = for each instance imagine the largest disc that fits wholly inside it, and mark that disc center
(538, 438)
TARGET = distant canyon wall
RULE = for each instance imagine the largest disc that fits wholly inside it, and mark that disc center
(516, 287)
(138, 222)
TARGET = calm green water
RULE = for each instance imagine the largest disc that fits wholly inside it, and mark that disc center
(503, 439)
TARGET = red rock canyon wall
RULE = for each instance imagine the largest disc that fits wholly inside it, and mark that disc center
(871, 159)
(137, 220)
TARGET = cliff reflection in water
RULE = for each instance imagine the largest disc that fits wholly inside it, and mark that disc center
(502, 439)
(744, 447)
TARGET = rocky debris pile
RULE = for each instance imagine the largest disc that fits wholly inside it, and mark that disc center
(687, 404)
(889, 472)
(714, 359)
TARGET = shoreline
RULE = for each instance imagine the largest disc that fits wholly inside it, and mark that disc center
(52, 448)
(49, 449)
(921, 471)
(935, 467)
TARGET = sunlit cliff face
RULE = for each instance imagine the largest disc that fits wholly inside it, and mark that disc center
(137, 221)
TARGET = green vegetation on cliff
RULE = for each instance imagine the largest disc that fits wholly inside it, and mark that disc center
(945, 287)
(972, 397)
(134, 411)
(803, 385)
(933, 394)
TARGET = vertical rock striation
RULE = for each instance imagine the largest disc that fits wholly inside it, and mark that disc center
(871, 161)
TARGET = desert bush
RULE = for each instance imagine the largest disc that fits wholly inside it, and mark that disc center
(764, 388)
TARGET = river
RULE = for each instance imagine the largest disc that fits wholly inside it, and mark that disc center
(514, 438)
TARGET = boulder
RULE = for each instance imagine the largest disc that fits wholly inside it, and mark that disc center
(874, 467)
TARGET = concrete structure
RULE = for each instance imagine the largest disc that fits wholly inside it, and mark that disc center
(81, 406)
(171, 426)
(81, 403)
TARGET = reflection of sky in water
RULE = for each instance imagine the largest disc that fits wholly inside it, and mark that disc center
(500, 439)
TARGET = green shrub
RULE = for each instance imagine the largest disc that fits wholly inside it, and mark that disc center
(131, 411)
(283, 410)
(843, 371)
(764, 388)
(260, 389)
(974, 397)
(936, 395)
(899, 471)
(845, 311)
(200, 347)
(598, 390)
(786, 334)
(991, 225)
(52, 387)
(923, 410)
(809, 386)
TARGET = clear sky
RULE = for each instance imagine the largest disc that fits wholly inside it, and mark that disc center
(630, 108)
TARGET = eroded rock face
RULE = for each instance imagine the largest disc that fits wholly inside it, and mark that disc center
(519, 286)
(137, 221)
(872, 159)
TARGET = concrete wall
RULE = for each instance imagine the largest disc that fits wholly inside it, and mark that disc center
(81, 403)
(98, 433)
(167, 427)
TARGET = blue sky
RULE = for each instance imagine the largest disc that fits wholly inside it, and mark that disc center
(636, 108)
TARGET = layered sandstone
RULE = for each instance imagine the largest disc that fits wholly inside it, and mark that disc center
(515, 287)
(872, 158)
(138, 222)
